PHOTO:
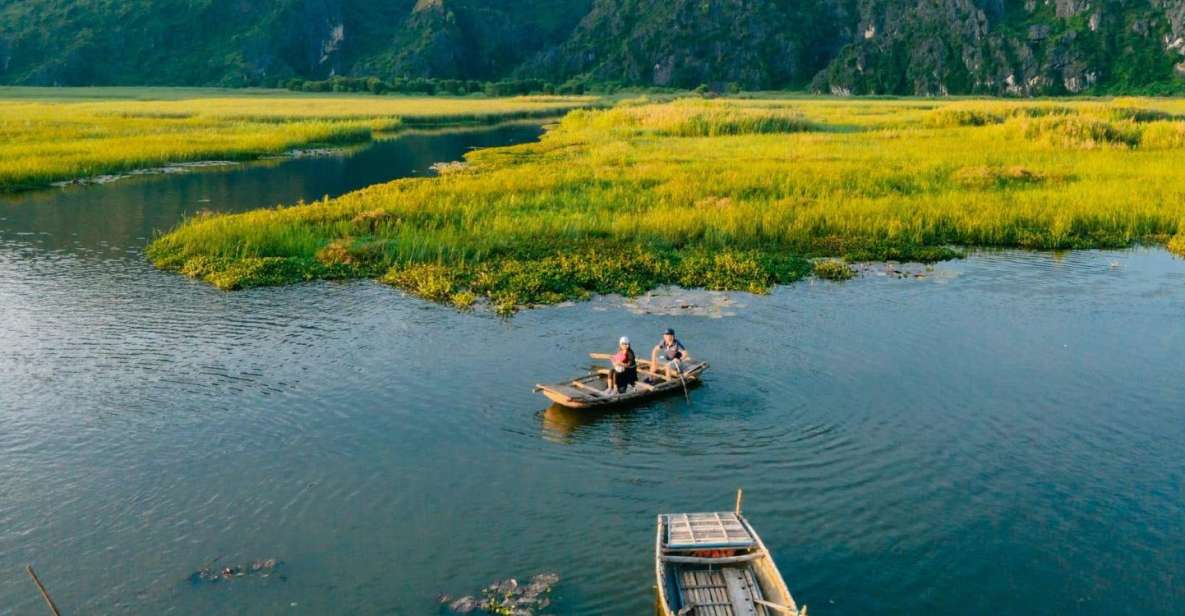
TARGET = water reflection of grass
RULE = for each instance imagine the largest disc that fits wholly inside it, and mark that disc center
(720, 194)
(43, 140)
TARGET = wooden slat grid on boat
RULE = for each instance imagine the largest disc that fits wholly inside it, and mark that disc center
(692, 530)
(721, 592)
(706, 592)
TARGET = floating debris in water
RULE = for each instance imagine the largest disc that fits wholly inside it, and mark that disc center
(213, 574)
(170, 168)
(448, 167)
(893, 269)
(313, 152)
(464, 605)
(507, 597)
(674, 301)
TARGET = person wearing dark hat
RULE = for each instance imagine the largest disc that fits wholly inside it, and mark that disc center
(669, 353)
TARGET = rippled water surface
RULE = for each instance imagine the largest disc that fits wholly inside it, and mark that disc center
(1005, 433)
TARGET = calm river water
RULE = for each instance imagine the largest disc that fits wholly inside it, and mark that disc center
(1004, 434)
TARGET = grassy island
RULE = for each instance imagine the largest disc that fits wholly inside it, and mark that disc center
(49, 135)
(725, 194)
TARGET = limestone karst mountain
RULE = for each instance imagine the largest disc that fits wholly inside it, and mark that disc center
(924, 47)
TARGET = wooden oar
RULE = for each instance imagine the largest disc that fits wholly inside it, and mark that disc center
(44, 593)
(608, 357)
(642, 363)
(682, 379)
(679, 367)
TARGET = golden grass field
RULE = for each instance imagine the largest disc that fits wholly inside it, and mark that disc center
(726, 194)
(52, 135)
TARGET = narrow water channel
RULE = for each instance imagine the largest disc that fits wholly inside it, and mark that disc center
(1002, 433)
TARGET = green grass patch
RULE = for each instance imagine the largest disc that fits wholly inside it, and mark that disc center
(49, 135)
(629, 198)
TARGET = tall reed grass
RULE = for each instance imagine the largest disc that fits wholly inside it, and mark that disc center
(725, 194)
(43, 141)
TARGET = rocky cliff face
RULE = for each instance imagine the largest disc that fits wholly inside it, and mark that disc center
(1175, 40)
(925, 47)
(690, 42)
(469, 39)
(1024, 48)
(83, 42)
(312, 33)
(429, 41)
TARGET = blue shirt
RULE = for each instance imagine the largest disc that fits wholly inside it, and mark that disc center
(671, 351)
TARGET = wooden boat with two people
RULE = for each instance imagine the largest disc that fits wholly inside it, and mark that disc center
(714, 564)
(589, 391)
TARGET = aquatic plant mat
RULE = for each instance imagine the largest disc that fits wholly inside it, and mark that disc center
(46, 140)
(507, 597)
(726, 194)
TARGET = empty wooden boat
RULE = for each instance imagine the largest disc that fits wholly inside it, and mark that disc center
(589, 391)
(714, 564)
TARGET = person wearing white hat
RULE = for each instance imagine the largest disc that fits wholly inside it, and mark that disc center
(625, 368)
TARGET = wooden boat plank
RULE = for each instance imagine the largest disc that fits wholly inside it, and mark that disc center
(587, 391)
(720, 599)
(640, 382)
(722, 588)
(781, 609)
(704, 590)
(600, 393)
(739, 593)
(568, 391)
(644, 364)
(708, 592)
(757, 595)
(637, 393)
(689, 371)
(755, 589)
(720, 560)
(592, 378)
(661, 380)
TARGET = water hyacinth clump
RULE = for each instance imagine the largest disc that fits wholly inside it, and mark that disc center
(507, 597)
(625, 199)
(629, 271)
(833, 269)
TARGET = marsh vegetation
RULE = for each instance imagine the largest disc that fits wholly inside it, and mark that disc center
(725, 194)
(44, 140)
